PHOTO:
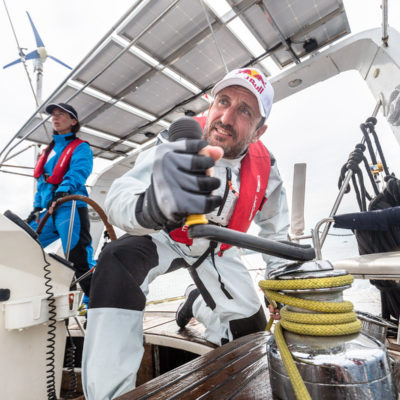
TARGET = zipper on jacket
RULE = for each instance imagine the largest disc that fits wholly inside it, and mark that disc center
(228, 179)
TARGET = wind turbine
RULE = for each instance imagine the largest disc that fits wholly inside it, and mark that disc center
(39, 56)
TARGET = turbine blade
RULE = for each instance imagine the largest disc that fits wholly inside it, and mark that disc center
(59, 61)
(12, 63)
(39, 42)
(32, 55)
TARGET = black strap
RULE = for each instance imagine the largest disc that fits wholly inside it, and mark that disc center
(226, 192)
(196, 279)
(200, 285)
(209, 250)
(226, 293)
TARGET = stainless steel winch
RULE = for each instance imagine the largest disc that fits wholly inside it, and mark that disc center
(350, 366)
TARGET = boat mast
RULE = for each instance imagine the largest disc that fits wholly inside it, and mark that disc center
(38, 71)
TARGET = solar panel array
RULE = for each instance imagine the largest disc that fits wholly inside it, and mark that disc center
(160, 62)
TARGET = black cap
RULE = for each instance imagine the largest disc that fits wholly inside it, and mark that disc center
(66, 107)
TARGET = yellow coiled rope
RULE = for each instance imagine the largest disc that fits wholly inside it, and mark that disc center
(331, 319)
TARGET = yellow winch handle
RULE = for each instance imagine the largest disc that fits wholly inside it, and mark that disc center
(196, 219)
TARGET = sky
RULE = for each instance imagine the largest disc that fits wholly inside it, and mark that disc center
(319, 125)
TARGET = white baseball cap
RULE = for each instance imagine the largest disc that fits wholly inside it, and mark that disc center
(253, 80)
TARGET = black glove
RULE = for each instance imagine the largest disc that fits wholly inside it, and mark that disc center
(179, 185)
(34, 215)
(56, 196)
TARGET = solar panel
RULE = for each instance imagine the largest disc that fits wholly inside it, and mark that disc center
(125, 70)
(177, 27)
(156, 94)
(165, 56)
(203, 63)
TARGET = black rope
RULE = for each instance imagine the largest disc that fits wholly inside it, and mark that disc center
(371, 122)
(355, 158)
(371, 179)
(359, 196)
(365, 132)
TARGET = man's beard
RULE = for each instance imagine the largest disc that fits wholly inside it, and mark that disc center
(231, 151)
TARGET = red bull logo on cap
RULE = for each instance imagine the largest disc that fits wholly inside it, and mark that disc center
(255, 78)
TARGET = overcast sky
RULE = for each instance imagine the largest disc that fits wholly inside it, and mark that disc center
(319, 126)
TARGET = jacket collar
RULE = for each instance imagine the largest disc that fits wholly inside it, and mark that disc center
(61, 139)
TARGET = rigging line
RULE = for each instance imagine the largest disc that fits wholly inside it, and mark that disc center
(213, 35)
(16, 166)
(15, 173)
(16, 154)
(22, 55)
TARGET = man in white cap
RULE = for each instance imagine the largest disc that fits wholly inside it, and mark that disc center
(169, 182)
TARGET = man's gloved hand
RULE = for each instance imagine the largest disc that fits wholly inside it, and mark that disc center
(56, 196)
(34, 215)
(179, 186)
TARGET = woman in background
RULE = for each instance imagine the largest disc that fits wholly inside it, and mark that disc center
(61, 170)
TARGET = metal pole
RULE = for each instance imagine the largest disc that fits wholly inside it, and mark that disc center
(385, 37)
(39, 80)
(346, 181)
(35, 158)
(80, 326)
(71, 227)
(315, 237)
(82, 277)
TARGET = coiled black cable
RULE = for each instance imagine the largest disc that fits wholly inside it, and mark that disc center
(70, 366)
(50, 354)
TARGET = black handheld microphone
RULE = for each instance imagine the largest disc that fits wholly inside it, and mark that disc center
(184, 128)
(187, 128)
